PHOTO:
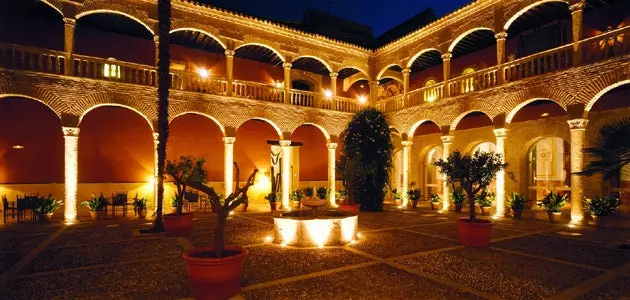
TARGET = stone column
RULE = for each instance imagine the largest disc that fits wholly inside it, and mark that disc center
(333, 89)
(71, 173)
(501, 37)
(373, 91)
(156, 141)
(405, 170)
(156, 40)
(68, 33)
(446, 62)
(228, 164)
(577, 12)
(229, 70)
(500, 134)
(447, 140)
(406, 73)
(578, 129)
(285, 146)
(331, 172)
(287, 82)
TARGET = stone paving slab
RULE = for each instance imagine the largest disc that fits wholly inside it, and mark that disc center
(82, 256)
(597, 235)
(241, 237)
(580, 252)
(75, 236)
(406, 218)
(615, 289)
(527, 225)
(9, 244)
(233, 223)
(394, 242)
(164, 278)
(507, 275)
(373, 282)
(7, 260)
(267, 263)
(27, 229)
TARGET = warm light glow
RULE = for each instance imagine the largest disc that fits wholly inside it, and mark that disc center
(359, 235)
(279, 84)
(349, 228)
(362, 99)
(571, 225)
(285, 146)
(353, 242)
(111, 71)
(231, 213)
(268, 239)
(18, 147)
(151, 180)
(203, 73)
(283, 245)
(287, 229)
(400, 206)
(70, 177)
(496, 217)
(315, 232)
(319, 230)
(544, 114)
(328, 94)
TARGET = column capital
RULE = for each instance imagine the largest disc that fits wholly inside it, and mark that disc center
(447, 56)
(577, 7)
(285, 143)
(500, 132)
(406, 71)
(156, 38)
(333, 74)
(331, 146)
(447, 139)
(287, 65)
(70, 131)
(70, 21)
(501, 35)
(577, 124)
(229, 140)
(407, 144)
(229, 52)
(156, 136)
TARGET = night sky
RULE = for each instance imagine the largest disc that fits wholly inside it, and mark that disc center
(381, 15)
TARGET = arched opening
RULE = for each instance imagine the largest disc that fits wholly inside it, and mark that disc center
(302, 85)
(473, 50)
(112, 35)
(548, 165)
(197, 52)
(535, 110)
(541, 26)
(433, 180)
(312, 156)
(31, 149)
(115, 153)
(32, 23)
(487, 147)
(312, 65)
(389, 87)
(425, 150)
(258, 63)
(427, 64)
(474, 119)
(346, 79)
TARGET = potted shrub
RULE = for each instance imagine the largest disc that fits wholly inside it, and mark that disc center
(272, 198)
(187, 168)
(140, 207)
(602, 207)
(517, 203)
(366, 161)
(414, 196)
(97, 206)
(552, 203)
(45, 208)
(473, 173)
(296, 197)
(435, 201)
(397, 196)
(458, 199)
(322, 193)
(485, 199)
(341, 195)
(308, 194)
(215, 272)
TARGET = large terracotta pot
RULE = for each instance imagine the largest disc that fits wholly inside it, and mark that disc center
(414, 203)
(273, 205)
(351, 208)
(517, 213)
(46, 218)
(175, 225)
(485, 210)
(474, 234)
(398, 202)
(435, 205)
(294, 204)
(142, 213)
(459, 207)
(97, 215)
(215, 278)
(555, 217)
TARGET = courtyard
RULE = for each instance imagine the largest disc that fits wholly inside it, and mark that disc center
(401, 254)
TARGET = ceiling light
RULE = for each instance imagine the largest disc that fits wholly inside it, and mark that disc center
(544, 114)
(362, 99)
(328, 94)
(18, 147)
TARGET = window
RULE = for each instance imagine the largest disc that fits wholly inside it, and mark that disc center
(111, 71)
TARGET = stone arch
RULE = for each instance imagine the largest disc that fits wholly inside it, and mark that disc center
(282, 58)
(523, 10)
(383, 70)
(52, 102)
(197, 29)
(89, 102)
(326, 64)
(464, 114)
(320, 127)
(417, 55)
(412, 129)
(96, 7)
(517, 108)
(463, 35)
(601, 93)
(213, 119)
(119, 105)
(275, 127)
(361, 70)
(54, 4)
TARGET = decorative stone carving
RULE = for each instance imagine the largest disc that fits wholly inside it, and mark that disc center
(500, 132)
(70, 131)
(577, 124)
(229, 140)
(331, 146)
(447, 139)
(285, 143)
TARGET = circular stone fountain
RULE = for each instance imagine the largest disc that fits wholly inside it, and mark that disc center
(311, 229)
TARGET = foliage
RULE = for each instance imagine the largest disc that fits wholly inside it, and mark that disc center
(95, 203)
(322, 192)
(611, 151)
(342, 193)
(435, 198)
(272, 197)
(553, 202)
(140, 203)
(366, 159)
(47, 204)
(396, 194)
(308, 192)
(297, 195)
(473, 173)
(414, 194)
(175, 202)
(602, 206)
(458, 196)
(517, 201)
(485, 199)
(187, 168)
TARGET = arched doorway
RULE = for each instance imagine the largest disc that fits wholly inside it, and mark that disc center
(488, 147)
(433, 180)
(548, 168)
(312, 156)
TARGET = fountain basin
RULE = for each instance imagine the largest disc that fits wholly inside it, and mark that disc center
(306, 229)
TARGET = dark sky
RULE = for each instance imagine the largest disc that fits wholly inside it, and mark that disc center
(381, 15)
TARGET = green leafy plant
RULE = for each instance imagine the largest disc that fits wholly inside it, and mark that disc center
(435, 198)
(47, 204)
(414, 194)
(342, 193)
(458, 196)
(297, 195)
(473, 173)
(140, 203)
(95, 203)
(366, 159)
(183, 170)
(602, 206)
(553, 202)
(611, 151)
(308, 192)
(485, 199)
(396, 194)
(517, 201)
(271, 197)
(322, 192)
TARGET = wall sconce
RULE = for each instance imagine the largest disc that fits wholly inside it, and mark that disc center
(362, 99)
(328, 94)
(278, 84)
(203, 73)
(17, 147)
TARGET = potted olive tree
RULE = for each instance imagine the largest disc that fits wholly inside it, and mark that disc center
(473, 173)
(458, 199)
(552, 204)
(517, 203)
(185, 169)
(97, 206)
(45, 207)
(601, 208)
(414, 196)
(366, 161)
(435, 201)
(215, 272)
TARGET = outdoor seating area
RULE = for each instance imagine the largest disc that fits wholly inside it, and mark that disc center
(22, 209)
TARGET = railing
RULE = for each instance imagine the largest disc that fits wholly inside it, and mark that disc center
(303, 98)
(31, 58)
(426, 94)
(609, 44)
(192, 82)
(391, 104)
(113, 70)
(552, 60)
(257, 91)
(476, 81)
(346, 105)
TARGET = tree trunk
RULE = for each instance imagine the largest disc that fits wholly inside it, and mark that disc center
(219, 235)
(471, 203)
(164, 62)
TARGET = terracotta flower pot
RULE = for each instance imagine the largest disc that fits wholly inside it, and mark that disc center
(97, 215)
(517, 213)
(273, 205)
(435, 205)
(459, 207)
(485, 210)
(474, 234)
(414, 203)
(46, 218)
(295, 204)
(175, 225)
(398, 202)
(351, 208)
(142, 213)
(555, 217)
(215, 278)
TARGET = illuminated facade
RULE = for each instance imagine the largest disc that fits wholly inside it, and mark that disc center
(533, 80)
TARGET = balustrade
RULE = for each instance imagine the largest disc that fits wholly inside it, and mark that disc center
(303, 98)
(476, 81)
(114, 70)
(552, 60)
(609, 44)
(257, 91)
(32, 59)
